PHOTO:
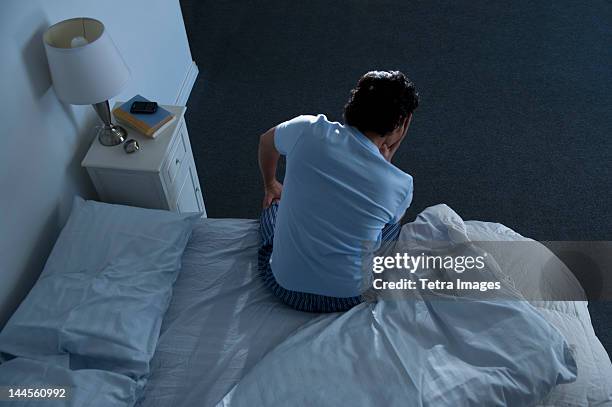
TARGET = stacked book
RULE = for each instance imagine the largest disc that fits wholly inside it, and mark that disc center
(151, 125)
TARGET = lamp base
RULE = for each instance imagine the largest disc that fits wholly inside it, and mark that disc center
(111, 135)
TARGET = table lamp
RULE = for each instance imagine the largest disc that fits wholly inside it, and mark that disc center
(87, 69)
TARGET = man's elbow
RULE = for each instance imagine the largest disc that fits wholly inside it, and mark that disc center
(267, 138)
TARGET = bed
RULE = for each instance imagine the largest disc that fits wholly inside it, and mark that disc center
(184, 320)
(222, 321)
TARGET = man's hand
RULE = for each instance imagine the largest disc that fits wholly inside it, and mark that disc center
(386, 152)
(393, 141)
(272, 193)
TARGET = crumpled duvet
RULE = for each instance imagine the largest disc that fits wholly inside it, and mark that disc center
(416, 352)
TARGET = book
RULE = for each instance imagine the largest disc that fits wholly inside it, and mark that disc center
(148, 124)
(155, 133)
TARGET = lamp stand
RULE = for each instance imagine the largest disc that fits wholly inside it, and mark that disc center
(109, 134)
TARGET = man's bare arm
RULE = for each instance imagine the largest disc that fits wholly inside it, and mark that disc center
(268, 159)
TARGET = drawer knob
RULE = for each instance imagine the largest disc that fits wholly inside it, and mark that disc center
(177, 161)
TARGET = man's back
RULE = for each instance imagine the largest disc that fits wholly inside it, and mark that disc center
(339, 192)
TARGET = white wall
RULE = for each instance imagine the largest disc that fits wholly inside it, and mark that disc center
(42, 140)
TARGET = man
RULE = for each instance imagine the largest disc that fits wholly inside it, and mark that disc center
(340, 190)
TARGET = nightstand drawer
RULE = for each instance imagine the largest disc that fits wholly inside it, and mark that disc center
(182, 172)
(175, 158)
(189, 196)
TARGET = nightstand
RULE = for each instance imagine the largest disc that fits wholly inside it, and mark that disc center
(161, 175)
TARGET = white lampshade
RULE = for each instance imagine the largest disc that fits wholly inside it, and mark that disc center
(85, 64)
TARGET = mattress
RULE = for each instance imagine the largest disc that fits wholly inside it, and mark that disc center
(222, 321)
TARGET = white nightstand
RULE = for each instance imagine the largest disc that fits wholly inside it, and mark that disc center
(161, 175)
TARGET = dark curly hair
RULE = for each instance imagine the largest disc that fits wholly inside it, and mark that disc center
(380, 102)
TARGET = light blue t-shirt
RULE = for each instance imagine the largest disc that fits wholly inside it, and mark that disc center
(338, 193)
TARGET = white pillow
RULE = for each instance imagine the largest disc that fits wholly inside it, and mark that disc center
(92, 388)
(104, 290)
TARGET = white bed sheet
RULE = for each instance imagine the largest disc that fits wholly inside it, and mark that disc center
(222, 321)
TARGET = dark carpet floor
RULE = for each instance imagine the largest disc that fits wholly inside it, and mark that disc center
(515, 122)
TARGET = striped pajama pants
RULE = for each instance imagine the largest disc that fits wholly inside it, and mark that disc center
(303, 301)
